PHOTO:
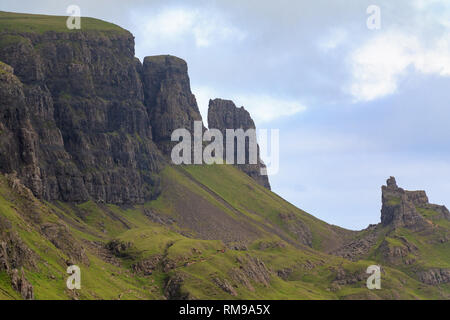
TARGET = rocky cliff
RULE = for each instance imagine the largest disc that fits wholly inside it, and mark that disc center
(168, 97)
(223, 115)
(75, 126)
(401, 208)
(82, 118)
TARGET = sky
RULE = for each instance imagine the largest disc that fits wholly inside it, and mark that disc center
(354, 105)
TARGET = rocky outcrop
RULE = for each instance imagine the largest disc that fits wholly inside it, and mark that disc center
(168, 97)
(344, 277)
(14, 256)
(21, 284)
(399, 207)
(173, 289)
(357, 248)
(401, 251)
(223, 115)
(435, 276)
(251, 270)
(119, 248)
(148, 265)
(14, 253)
(225, 286)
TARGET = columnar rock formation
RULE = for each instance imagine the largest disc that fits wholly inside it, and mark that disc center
(168, 98)
(223, 115)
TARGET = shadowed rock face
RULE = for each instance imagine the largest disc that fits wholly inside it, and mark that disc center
(168, 97)
(401, 207)
(223, 115)
(73, 117)
(82, 118)
(398, 208)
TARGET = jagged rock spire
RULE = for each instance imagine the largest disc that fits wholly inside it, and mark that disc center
(391, 183)
(168, 98)
(222, 115)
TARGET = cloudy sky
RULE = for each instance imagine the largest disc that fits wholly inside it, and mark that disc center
(353, 105)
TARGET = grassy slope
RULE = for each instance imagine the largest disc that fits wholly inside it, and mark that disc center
(312, 272)
(259, 203)
(20, 22)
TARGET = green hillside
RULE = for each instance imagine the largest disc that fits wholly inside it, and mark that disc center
(186, 261)
(21, 22)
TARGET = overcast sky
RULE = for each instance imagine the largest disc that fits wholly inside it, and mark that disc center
(354, 106)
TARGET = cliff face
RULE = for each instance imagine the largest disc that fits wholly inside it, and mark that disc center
(223, 115)
(83, 119)
(402, 208)
(168, 97)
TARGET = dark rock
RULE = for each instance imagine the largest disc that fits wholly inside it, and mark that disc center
(359, 247)
(14, 253)
(83, 119)
(74, 125)
(251, 269)
(284, 273)
(392, 183)
(21, 284)
(435, 276)
(344, 277)
(225, 286)
(168, 98)
(173, 289)
(223, 115)
(147, 266)
(101, 251)
(238, 247)
(397, 254)
(399, 207)
(119, 248)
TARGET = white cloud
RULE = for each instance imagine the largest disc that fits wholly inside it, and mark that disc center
(378, 65)
(174, 25)
(263, 108)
